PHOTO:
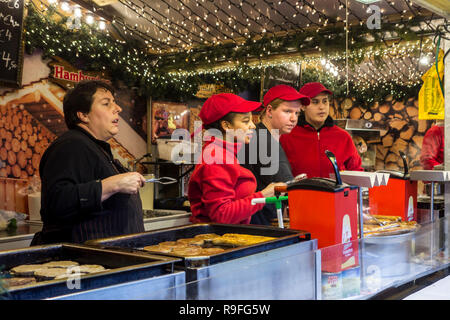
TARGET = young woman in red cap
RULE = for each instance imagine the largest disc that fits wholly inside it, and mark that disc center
(316, 132)
(282, 105)
(220, 189)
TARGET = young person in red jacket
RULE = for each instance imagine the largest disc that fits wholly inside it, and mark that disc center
(433, 147)
(220, 189)
(281, 109)
(316, 132)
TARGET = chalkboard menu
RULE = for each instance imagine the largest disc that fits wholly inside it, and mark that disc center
(11, 46)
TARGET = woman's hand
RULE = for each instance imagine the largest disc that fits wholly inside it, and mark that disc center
(129, 183)
(269, 191)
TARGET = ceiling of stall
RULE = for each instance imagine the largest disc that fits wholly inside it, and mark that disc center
(171, 25)
(166, 27)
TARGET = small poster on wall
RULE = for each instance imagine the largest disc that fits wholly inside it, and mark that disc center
(167, 117)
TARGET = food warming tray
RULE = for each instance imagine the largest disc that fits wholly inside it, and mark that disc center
(123, 267)
(140, 240)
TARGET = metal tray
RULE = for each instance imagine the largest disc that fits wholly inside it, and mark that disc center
(124, 267)
(138, 241)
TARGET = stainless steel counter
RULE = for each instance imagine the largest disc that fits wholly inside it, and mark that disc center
(156, 219)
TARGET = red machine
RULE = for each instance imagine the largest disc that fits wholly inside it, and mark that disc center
(328, 210)
(398, 197)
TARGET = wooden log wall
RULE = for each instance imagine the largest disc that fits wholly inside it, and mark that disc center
(23, 140)
(403, 131)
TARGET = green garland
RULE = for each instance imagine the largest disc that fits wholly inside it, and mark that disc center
(89, 49)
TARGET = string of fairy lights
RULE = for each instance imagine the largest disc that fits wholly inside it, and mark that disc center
(169, 44)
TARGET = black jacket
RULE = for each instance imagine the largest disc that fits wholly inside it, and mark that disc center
(255, 163)
(71, 208)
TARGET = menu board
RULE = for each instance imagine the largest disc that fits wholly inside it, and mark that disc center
(11, 46)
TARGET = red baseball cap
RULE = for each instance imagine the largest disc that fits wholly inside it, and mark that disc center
(218, 105)
(312, 89)
(284, 92)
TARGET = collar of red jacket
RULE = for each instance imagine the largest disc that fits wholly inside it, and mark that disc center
(329, 122)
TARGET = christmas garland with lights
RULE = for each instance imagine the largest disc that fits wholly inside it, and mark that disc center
(175, 76)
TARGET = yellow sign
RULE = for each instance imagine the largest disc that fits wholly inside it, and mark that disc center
(207, 90)
(431, 99)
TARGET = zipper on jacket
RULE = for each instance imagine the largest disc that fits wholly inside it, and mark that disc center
(318, 151)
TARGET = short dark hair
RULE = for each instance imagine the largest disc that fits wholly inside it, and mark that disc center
(79, 99)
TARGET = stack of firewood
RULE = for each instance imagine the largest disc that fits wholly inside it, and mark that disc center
(402, 130)
(23, 140)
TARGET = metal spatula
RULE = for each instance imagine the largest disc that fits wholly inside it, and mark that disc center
(162, 180)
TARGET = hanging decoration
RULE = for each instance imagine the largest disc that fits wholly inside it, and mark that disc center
(236, 66)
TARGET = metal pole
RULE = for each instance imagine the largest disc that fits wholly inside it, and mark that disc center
(361, 216)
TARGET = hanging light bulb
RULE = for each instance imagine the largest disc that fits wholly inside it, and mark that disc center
(101, 25)
(89, 19)
(65, 6)
(77, 12)
(424, 60)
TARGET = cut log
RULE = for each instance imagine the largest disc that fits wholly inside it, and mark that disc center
(423, 126)
(408, 133)
(12, 159)
(367, 115)
(392, 157)
(384, 108)
(374, 107)
(35, 159)
(21, 159)
(381, 152)
(387, 140)
(398, 106)
(399, 145)
(378, 117)
(3, 153)
(398, 124)
(16, 171)
(15, 145)
(355, 113)
(412, 111)
(392, 166)
(347, 104)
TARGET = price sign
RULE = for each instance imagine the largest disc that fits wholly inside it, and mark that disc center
(11, 44)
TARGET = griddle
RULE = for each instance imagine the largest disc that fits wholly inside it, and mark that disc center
(123, 267)
(136, 242)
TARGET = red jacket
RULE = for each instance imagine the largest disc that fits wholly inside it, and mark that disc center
(432, 152)
(220, 190)
(305, 148)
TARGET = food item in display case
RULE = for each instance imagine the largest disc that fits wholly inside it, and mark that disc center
(206, 236)
(158, 248)
(206, 244)
(49, 273)
(27, 269)
(61, 264)
(187, 251)
(388, 225)
(52, 270)
(70, 275)
(191, 241)
(210, 251)
(17, 281)
(91, 268)
(237, 239)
